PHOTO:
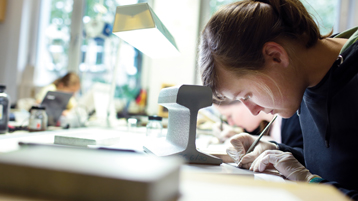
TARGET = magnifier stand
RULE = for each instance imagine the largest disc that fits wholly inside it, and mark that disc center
(183, 103)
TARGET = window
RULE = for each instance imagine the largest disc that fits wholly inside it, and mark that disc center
(99, 50)
(325, 13)
(54, 39)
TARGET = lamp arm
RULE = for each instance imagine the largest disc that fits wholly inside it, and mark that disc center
(113, 83)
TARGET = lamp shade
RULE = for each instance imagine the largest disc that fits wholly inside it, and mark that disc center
(138, 25)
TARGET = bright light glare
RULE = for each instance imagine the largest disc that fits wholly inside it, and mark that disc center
(149, 41)
(86, 19)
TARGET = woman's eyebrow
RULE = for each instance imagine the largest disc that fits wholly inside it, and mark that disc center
(236, 95)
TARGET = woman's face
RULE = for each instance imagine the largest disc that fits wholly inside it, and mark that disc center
(69, 89)
(239, 115)
(271, 92)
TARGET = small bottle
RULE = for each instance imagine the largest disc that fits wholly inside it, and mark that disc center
(132, 124)
(154, 126)
(4, 110)
(38, 119)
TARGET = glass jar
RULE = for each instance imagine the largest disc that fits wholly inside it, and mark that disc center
(154, 126)
(38, 119)
(4, 110)
(132, 124)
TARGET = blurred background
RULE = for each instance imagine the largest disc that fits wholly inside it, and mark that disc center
(41, 40)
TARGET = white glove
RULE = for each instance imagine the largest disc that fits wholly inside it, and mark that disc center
(284, 162)
(226, 132)
(241, 143)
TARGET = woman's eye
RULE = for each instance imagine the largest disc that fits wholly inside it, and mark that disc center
(246, 98)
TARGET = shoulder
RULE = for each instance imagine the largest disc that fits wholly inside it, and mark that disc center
(41, 94)
(50, 87)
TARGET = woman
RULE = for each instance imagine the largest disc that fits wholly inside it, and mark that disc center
(69, 83)
(236, 114)
(287, 131)
(270, 55)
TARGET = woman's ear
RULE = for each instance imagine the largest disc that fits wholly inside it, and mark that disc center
(274, 52)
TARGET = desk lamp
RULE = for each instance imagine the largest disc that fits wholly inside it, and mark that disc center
(139, 26)
(183, 103)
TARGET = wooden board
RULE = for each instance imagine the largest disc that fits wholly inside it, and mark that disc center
(2, 10)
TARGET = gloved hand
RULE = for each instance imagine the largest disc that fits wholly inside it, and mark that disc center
(284, 162)
(225, 132)
(241, 143)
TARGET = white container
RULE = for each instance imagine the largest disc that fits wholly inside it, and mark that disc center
(154, 127)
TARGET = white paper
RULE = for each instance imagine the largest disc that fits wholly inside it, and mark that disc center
(192, 190)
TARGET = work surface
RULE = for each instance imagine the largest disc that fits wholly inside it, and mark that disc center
(197, 182)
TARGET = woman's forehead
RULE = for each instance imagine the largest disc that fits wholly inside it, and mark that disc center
(229, 84)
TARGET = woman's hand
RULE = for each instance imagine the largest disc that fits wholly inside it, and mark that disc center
(284, 162)
(225, 131)
(241, 143)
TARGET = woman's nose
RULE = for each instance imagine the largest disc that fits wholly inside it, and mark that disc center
(254, 108)
(230, 121)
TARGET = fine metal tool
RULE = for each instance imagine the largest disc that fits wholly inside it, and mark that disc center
(260, 136)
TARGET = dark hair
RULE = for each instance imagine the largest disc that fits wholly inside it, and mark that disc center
(70, 79)
(235, 35)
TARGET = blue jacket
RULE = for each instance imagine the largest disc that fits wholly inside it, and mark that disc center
(291, 133)
(329, 122)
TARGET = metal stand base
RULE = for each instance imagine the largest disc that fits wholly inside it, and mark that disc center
(183, 103)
